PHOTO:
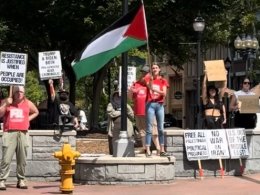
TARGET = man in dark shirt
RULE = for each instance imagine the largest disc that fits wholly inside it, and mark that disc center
(61, 110)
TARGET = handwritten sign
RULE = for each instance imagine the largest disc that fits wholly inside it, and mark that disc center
(237, 143)
(249, 103)
(196, 145)
(50, 65)
(131, 76)
(13, 68)
(218, 146)
(215, 70)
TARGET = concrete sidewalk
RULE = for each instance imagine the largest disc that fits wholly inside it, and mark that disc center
(229, 185)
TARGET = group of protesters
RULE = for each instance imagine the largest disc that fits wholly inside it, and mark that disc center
(148, 94)
(215, 115)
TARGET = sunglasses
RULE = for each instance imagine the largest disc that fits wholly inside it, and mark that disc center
(246, 83)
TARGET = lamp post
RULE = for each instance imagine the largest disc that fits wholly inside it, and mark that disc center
(246, 46)
(228, 64)
(198, 26)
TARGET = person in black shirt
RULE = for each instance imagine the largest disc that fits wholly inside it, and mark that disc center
(214, 109)
(61, 110)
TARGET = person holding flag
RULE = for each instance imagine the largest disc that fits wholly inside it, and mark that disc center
(157, 90)
(138, 93)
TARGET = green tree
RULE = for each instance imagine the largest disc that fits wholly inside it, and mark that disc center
(31, 26)
(35, 92)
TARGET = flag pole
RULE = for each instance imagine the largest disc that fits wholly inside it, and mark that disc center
(149, 60)
(124, 146)
(124, 80)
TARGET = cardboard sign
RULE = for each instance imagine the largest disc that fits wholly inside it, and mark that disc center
(196, 144)
(50, 66)
(13, 68)
(215, 70)
(249, 103)
(237, 143)
(218, 146)
(256, 90)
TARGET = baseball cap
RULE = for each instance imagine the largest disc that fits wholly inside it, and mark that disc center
(145, 68)
(63, 91)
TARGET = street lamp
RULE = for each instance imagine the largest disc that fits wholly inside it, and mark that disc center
(246, 47)
(198, 26)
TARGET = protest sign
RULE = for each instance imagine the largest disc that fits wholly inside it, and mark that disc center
(131, 76)
(249, 103)
(215, 70)
(217, 143)
(196, 144)
(256, 90)
(237, 143)
(50, 65)
(13, 68)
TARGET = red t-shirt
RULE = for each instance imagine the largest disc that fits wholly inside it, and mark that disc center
(17, 116)
(157, 83)
(139, 98)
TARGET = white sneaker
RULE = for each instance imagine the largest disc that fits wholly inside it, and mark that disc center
(21, 184)
(2, 185)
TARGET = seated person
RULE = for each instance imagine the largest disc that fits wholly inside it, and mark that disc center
(82, 118)
(61, 110)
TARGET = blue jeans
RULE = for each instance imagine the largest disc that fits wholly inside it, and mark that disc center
(154, 109)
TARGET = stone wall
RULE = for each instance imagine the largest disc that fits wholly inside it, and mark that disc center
(41, 164)
(108, 170)
(184, 168)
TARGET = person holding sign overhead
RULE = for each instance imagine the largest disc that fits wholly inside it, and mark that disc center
(17, 111)
(61, 110)
(214, 109)
(243, 120)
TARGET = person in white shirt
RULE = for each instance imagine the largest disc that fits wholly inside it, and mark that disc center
(82, 120)
(247, 121)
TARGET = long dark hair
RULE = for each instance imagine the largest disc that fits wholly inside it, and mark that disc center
(216, 97)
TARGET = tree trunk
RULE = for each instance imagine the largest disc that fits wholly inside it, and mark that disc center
(97, 89)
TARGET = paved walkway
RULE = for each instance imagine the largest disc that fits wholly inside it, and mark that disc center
(229, 185)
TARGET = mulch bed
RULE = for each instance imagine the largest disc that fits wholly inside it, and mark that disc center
(93, 142)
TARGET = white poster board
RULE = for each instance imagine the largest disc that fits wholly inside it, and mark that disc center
(50, 66)
(196, 144)
(217, 143)
(131, 76)
(13, 68)
(237, 143)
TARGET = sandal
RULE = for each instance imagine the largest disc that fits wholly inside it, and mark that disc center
(148, 154)
(164, 154)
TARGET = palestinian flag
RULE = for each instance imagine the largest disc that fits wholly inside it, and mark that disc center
(127, 32)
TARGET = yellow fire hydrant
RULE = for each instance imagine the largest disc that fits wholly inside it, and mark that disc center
(67, 161)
